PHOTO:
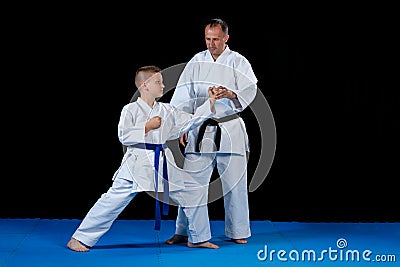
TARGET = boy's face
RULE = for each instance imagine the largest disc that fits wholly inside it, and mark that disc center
(155, 85)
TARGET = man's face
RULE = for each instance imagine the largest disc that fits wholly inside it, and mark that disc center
(215, 40)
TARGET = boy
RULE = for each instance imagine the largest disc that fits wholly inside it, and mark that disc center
(144, 127)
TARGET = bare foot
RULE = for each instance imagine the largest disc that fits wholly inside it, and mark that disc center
(240, 241)
(202, 245)
(176, 239)
(75, 245)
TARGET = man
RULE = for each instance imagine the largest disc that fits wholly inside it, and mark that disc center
(222, 141)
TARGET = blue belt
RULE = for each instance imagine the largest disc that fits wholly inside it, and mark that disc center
(157, 151)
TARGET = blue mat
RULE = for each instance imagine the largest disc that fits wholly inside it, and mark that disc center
(42, 242)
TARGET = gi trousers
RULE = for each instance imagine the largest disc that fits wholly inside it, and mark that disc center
(108, 207)
(232, 169)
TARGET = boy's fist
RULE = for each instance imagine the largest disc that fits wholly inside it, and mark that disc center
(153, 123)
(212, 92)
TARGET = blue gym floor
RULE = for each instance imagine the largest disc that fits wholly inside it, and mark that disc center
(42, 242)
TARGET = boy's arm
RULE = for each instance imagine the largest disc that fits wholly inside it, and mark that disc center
(185, 122)
(152, 124)
(213, 97)
(130, 131)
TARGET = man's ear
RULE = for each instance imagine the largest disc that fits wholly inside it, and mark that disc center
(226, 38)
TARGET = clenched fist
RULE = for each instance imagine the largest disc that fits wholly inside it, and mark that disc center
(212, 93)
(153, 123)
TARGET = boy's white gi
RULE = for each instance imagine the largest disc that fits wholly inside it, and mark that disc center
(136, 172)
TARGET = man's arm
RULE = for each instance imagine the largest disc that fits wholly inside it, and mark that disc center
(246, 84)
(184, 97)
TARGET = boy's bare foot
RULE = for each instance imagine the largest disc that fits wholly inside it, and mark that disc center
(176, 239)
(240, 241)
(75, 245)
(202, 245)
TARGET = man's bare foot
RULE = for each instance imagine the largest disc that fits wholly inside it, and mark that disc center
(176, 239)
(75, 245)
(239, 240)
(202, 245)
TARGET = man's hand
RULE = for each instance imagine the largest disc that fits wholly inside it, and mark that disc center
(223, 92)
(153, 123)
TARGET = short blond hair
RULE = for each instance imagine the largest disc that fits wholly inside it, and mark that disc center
(144, 73)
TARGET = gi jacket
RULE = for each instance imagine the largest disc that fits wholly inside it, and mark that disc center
(138, 164)
(230, 70)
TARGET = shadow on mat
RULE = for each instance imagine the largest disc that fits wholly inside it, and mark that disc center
(118, 246)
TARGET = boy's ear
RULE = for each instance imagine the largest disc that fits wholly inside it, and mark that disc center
(142, 86)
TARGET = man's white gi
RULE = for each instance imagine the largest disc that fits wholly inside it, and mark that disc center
(234, 72)
(136, 172)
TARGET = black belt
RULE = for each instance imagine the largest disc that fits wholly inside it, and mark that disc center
(214, 122)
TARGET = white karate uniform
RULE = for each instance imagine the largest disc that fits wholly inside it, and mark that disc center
(136, 172)
(233, 71)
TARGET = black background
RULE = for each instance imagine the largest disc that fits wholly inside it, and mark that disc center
(328, 74)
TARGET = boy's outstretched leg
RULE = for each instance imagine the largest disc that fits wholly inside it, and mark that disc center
(75, 245)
